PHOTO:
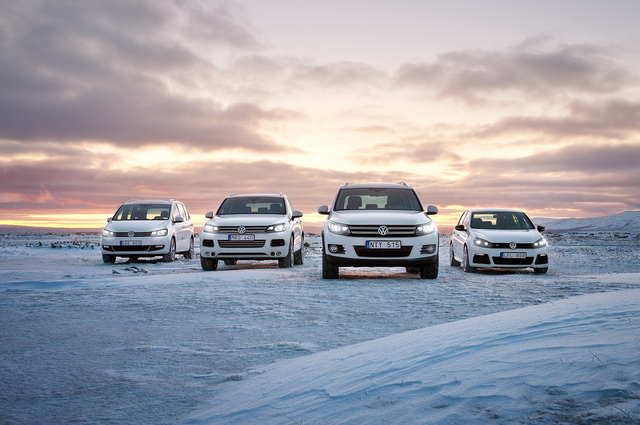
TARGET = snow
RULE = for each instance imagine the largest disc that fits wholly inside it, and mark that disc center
(628, 221)
(156, 342)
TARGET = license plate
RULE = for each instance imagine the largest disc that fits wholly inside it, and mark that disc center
(384, 245)
(242, 237)
(513, 255)
(123, 243)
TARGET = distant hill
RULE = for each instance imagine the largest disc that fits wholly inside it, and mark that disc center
(628, 221)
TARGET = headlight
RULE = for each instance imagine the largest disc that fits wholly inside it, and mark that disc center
(339, 229)
(161, 232)
(425, 229)
(277, 228)
(209, 228)
(482, 243)
(107, 233)
(540, 243)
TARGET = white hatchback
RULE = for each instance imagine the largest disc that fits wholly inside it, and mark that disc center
(252, 227)
(148, 229)
(498, 238)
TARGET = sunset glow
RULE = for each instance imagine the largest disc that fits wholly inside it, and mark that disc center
(473, 103)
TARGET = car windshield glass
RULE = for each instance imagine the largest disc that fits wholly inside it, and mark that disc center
(501, 220)
(252, 205)
(143, 212)
(377, 199)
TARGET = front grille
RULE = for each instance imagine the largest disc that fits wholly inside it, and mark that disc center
(363, 251)
(135, 234)
(135, 248)
(208, 243)
(372, 230)
(520, 245)
(498, 261)
(481, 259)
(249, 229)
(241, 244)
(542, 259)
(277, 242)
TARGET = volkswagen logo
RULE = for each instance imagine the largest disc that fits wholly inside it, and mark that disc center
(383, 230)
(131, 233)
(241, 230)
(513, 245)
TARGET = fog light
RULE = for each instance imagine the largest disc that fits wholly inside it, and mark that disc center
(333, 248)
(278, 253)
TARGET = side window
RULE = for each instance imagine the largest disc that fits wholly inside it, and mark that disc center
(463, 217)
(175, 213)
(183, 212)
(289, 207)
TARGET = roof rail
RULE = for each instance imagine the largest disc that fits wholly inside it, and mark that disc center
(346, 184)
(403, 183)
(131, 200)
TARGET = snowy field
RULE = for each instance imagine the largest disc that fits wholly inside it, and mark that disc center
(151, 342)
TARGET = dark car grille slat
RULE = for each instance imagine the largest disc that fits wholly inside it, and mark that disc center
(498, 261)
(363, 251)
(249, 229)
(372, 230)
(135, 234)
(520, 245)
(241, 244)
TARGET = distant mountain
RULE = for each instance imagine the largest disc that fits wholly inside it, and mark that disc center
(628, 221)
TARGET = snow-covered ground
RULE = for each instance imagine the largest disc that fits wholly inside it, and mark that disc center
(87, 342)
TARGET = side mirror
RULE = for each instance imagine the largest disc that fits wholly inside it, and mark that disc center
(296, 214)
(460, 227)
(178, 219)
(324, 210)
(109, 220)
(541, 228)
(431, 210)
(209, 215)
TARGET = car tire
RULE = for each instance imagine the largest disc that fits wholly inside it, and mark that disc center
(230, 262)
(430, 271)
(412, 269)
(454, 262)
(108, 258)
(192, 251)
(297, 256)
(286, 262)
(208, 264)
(329, 271)
(465, 261)
(542, 270)
(171, 255)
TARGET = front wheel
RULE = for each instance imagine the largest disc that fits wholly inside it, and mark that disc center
(208, 264)
(192, 251)
(465, 259)
(108, 258)
(329, 271)
(297, 256)
(430, 271)
(453, 262)
(171, 255)
(286, 262)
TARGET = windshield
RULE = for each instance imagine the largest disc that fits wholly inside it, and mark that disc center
(252, 205)
(143, 212)
(377, 199)
(501, 220)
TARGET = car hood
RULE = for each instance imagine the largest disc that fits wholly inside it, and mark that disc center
(247, 220)
(498, 236)
(137, 225)
(380, 217)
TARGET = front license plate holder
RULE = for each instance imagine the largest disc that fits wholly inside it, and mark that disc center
(513, 255)
(384, 245)
(242, 237)
(129, 243)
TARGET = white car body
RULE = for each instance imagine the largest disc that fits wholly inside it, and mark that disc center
(252, 227)
(148, 229)
(498, 238)
(379, 225)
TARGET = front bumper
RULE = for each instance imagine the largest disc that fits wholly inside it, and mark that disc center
(263, 247)
(352, 251)
(147, 246)
(485, 257)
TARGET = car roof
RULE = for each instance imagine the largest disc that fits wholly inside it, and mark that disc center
(251, 195)
(495, 210)
(400, 185)
(151, 201)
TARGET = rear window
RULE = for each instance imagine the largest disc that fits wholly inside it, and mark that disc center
(501, 220)
(142, 212)
(377, 199)
(252, 205)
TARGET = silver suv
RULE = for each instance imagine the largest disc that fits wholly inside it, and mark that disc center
(148, 229)
(379, 225)
(252, 227)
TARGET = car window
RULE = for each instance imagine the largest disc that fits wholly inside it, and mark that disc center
(463, 217)
(377, 199)
(252, 205)
(142, 212)
(183, 211)
(501, 220)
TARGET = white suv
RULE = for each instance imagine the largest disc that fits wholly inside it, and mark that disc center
(252, 227)
(148, 229)
(379, 225)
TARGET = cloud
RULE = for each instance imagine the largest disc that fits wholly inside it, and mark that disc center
(531, 69)
(406, 151)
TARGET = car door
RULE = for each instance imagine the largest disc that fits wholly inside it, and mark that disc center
(459, 237)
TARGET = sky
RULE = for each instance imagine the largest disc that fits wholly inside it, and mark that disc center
(525, 104)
